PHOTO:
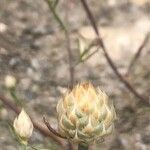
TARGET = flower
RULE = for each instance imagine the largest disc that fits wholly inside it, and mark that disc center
(23, 126)
(85, 114)
(10, 81)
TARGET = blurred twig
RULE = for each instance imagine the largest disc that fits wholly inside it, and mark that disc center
(108, 58)
(61, 23)
(38, 126)
(86, 51)
(51, 129)
(138, 53)
(88, 48)
(68, 42)
(85, 59)
(90, 55)
(15, 97)
(56, 16)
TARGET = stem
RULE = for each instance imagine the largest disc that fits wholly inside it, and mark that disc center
(15, 98)
(51, 129)
(66, 31)
(137, 54)
(23, 147)
(68, 44)
(56, 15)
(82, 146)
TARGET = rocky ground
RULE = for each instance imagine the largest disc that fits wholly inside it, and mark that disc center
(33, 49)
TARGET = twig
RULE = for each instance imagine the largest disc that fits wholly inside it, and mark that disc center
(56, 15)
(68, 42)
(51, 129)
(61, 23)
(14, 96)
(108, 58)
(89, 56)
(138, 53)
(86, 50)
(81, 60)
(38, 126)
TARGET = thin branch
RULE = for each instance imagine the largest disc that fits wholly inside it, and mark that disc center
(89, 56)
(10, 104)
(51, 129)
(138, 53)
(86, 50)
(56, 16)
(63, 26)
(38, 126)
(68, 42)
(108, 58)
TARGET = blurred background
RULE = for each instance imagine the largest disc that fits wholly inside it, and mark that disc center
(33, 50)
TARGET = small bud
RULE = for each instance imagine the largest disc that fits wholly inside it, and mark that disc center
(10, 81)
(23, 126)
(3, 27)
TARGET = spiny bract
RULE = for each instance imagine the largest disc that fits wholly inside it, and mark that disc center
(85, 114)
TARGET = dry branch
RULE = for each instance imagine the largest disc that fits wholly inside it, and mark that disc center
(68, 42)
(51, 129)
(138, 53)
(108, 58)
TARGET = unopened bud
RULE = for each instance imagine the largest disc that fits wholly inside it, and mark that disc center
(10, 81)
(23, 126)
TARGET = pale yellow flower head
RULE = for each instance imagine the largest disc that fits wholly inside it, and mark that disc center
(85, 114)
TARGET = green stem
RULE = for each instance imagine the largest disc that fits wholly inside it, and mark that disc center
(82, 146)
(52, 8)
(23, 147)
(14, 96)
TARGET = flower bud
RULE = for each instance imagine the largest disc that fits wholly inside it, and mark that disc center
(85, 114)
(10, 81)
(23, 126)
